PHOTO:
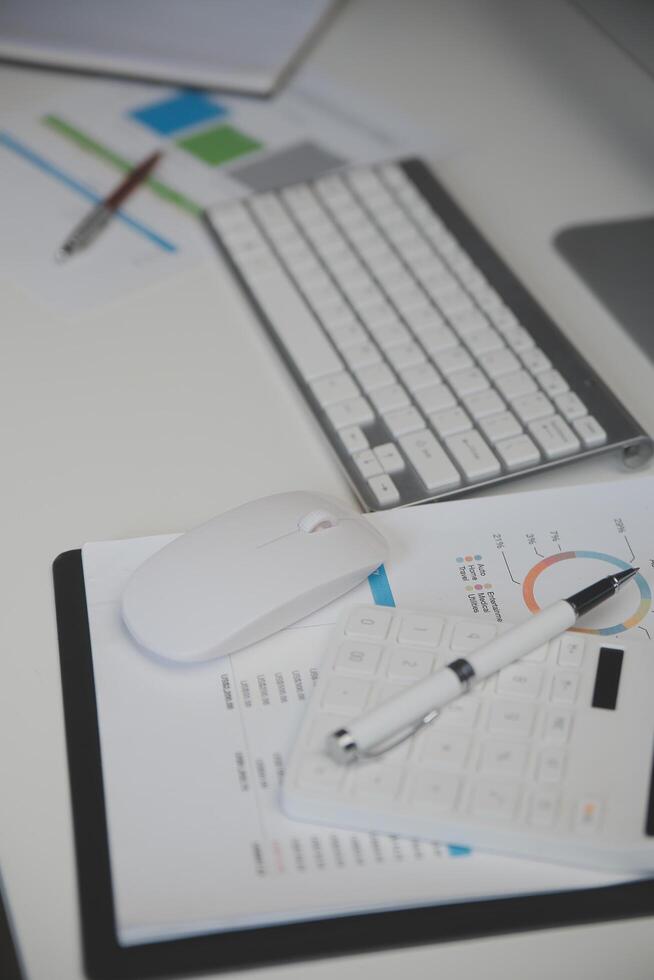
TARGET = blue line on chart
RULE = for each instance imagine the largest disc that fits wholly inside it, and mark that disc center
(49, 168)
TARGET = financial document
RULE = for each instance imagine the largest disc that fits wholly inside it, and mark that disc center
(193, 756)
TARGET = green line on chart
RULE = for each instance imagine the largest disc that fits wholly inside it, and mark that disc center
(104, 153)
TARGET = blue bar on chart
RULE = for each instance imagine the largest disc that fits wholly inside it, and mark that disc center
(176, 113)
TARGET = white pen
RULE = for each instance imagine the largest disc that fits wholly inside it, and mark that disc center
(380, 729)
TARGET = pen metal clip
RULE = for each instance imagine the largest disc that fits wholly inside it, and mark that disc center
(352, 754)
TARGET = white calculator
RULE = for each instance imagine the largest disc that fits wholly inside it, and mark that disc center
(551, 758)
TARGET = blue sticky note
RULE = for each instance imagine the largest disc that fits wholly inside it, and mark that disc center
(174, 114)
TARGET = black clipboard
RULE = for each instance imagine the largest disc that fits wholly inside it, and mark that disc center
(104, 957)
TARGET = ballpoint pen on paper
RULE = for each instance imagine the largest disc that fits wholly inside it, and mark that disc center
(385, 726)
(93, 224)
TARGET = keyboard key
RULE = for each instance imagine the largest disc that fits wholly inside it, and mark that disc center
(554, 436)
(518, 339)
(375, 376)
(368, 463)
(495, 800)
(435, 340)
(471, 636)
(378, 782)
(520, 680)
(389, 458)
(384, 490)
(481, 341)
(565, 687)
(318, 772)
(590, 431)
(535, 361)
(454, 359)
(518, 452)
(528, 408)
(435, 399)
(358, 658)
(570, 406)
(446, 750)
(500, 362)
(552, 383)
(571, 650)
(484, 403)
(296, 327)
(515, 385)
(432, 464)
(423, 631)
(361, 355)
(334, 388)
(505, 758)
(558, 725)
(370, 623)
(410, 665)
(390, 398)
(405, 355)
(543, 810)
(512, 718)
(551, 765)
(449, 422)
(499, 427)
(404, 420)
(436, 791)
(353, 438)
(468, 382)
(473, 455)
(355, 411)
(419, 376)
(346, 695)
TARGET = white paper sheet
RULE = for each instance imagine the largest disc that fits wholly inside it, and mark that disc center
(193, 756)
(56, 159)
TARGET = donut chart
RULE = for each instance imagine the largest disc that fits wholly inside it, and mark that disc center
(643, 607)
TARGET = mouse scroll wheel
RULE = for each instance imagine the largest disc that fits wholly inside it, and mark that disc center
(317, 520)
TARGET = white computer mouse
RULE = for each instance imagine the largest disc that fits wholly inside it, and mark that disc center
(248, 573)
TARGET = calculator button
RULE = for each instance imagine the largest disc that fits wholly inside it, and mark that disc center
(507, 758)
(558, 725)
(571, 651)
(471, 636)
(358, 658)
(511, 718)
(495, 800)
(461, 713)
(543, 810)
(421, 631)
(381, 782)
(587, 815)
(370, 623)
(438, 791)
(447, 750)
(564, 687)
(523, 680)
(346, 695)
(410, 665)
(318, 772)
(551, 765)
(537, 656)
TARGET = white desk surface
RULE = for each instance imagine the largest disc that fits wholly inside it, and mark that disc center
(165, 408)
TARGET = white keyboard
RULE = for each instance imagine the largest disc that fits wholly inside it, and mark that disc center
(429, 367)
(551, 758)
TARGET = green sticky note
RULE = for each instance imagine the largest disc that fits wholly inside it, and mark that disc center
(219, 144)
